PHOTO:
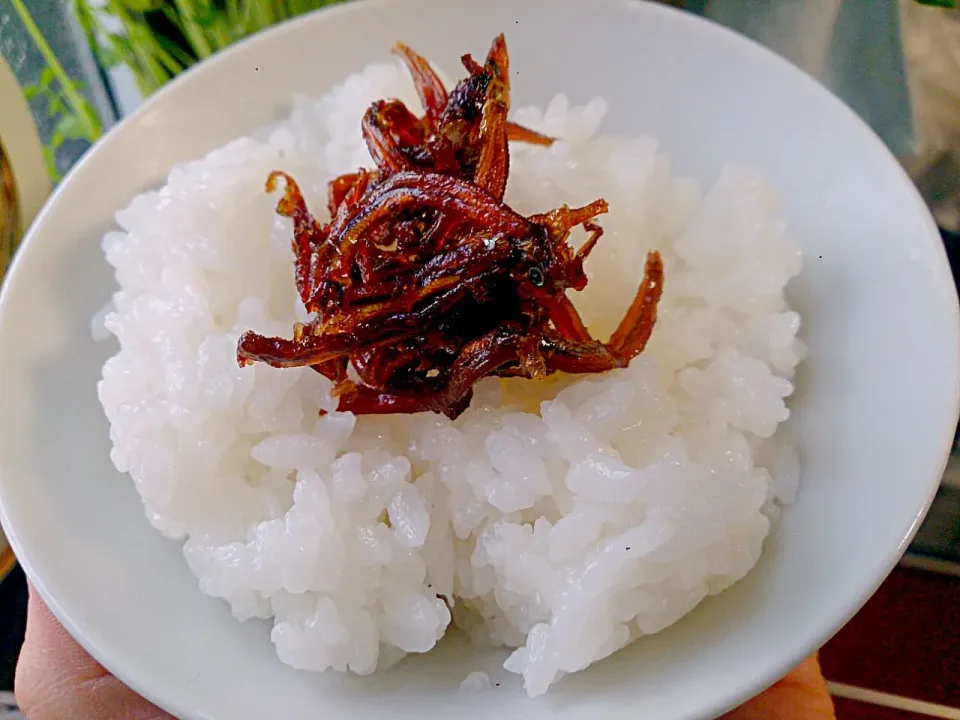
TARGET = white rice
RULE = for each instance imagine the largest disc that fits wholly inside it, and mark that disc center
(563, 519)
(475, 682)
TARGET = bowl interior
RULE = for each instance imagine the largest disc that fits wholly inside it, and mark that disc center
(874, 412)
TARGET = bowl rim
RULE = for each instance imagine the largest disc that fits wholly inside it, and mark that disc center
(844, 612)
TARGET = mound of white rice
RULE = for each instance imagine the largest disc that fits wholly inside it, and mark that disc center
(563, 519)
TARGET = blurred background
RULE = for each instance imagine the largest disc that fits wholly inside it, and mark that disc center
(69, 69)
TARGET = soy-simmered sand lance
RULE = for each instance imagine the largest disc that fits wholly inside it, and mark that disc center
(562, 518)
(424, 281)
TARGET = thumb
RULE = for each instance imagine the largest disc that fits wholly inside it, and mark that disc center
(801, 695)
(57, 680)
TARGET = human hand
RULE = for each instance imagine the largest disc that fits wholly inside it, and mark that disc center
(801, 695)
(58, 680)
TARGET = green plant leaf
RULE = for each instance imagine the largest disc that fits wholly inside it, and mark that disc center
(176, 52)
(108, 56)
(167, 61)
(115, 51)
(81, 12)
(47, 77)
(50, 160)
(205, 14)
(31, 91)
(121, 43)
(71, 127)
(55, 106)
(183, 14)
(142, 5)
(197, 29)
(88, 22)
(233, 16)
(85, 18)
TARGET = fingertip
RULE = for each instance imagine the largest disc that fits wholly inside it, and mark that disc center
(800, 695)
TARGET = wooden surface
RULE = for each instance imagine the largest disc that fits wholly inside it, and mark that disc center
(7, 561)
(905, 641)
(853, 710)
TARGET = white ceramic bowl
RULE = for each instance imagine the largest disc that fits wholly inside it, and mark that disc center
(875, 411)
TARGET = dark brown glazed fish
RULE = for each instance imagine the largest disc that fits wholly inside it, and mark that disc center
(424, 280)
